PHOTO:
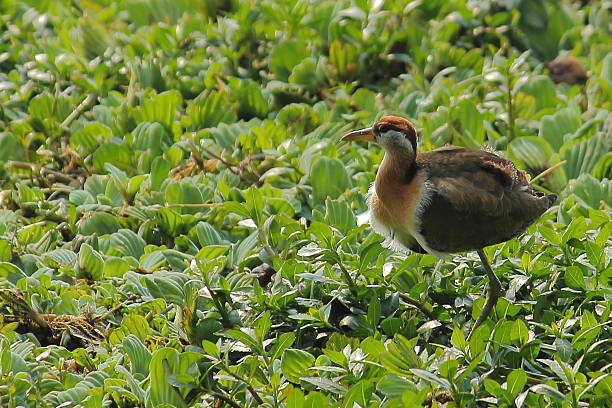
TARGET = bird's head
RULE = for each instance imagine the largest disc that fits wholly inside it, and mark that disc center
(394, 134)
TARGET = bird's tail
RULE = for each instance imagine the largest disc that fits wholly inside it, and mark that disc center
(551, 199)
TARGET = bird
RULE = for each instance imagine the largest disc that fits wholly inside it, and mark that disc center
(448, 200)
(568, 70)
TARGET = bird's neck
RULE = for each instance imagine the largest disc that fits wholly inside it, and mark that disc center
(396, 169)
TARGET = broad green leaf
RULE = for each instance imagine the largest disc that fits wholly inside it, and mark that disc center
(574, 278)
(519, 332)
(328, 178)
(553, 128)
(564, 348)
(119, 155)
(91, 262)
(164, 362)
(458, 338)
(549, 391)
(531, 152)
(361, 393)
(285, 56)
(128, 243)
(542, 89)
(374, 310)
(400, 357)
(210, 109)
(431, 377)
(100, 223)
(138, 354)
(516, 381)
(471, 120)
(392, 385)
(281, 344)
(87, 139)
(160, 108)
(295, 364)
(338, 214)
(248, 338)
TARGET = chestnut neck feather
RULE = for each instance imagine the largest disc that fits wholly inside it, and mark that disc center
(397, 168)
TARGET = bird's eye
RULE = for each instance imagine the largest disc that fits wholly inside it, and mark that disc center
(384, 128)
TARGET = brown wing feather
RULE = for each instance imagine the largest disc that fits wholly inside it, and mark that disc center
(478, 199)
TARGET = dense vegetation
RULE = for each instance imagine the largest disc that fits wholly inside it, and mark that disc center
(180, 225)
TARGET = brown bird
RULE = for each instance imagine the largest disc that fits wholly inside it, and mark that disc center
(568, 70)
(451, 199)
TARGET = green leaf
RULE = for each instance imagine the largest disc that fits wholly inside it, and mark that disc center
(574, 278)
(328, 178)
(250, 97)
(210, 109)
(458, 338)
(119, 155)
(492, 387)
(542, 89)
(531, 152)
(138, 354)
(170, 286)
(160, 168)
(91, 262)
(100, 223)
(471, 120)
(338, 214)
(478, 340)
(285, 56)
(516, 381)
(325, 384)
(519, 332)
(248, 338)
(564, 348)
(128, 243)
(295, 364)
(255, 205)
(400, 357)
(160, 108)
(281, 344)
(87, 139)
(545, 389)
(393, 386)
(553, 128)
(431, 377)
(590, 192)
(361, 393)
(374, 310)
(575, 230)
(164, 362)
(606, 68)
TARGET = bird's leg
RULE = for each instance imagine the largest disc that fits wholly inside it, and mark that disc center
(492, 295)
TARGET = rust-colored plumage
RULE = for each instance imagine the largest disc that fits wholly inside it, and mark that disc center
(568, 70)
(451, 199)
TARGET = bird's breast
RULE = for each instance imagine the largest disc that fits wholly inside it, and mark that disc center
(396, 209)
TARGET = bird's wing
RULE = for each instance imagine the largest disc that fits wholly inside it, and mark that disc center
(473, 181)
(477, 199)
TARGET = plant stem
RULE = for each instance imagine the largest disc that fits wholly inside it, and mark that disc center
(417, 304)
(249, 387)
(227, 400)
(511, 118)
(347, 277)
(79, 110)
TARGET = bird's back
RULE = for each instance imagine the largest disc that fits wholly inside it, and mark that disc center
(477, 199)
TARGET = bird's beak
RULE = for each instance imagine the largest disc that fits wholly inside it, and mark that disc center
(366, 134)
